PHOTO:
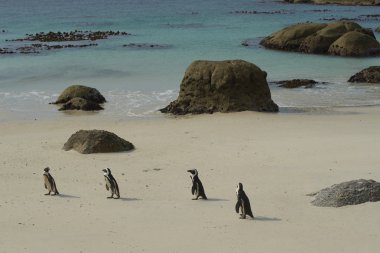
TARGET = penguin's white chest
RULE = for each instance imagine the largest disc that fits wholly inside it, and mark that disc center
(47, 183)
(108, 182)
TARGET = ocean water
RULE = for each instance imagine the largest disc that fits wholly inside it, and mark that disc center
(137, 82)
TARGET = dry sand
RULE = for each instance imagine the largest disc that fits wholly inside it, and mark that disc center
(278, 157)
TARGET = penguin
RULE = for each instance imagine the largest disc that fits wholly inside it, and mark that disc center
(111, 184)
(242, 202)
(197, 188)
(49, 182)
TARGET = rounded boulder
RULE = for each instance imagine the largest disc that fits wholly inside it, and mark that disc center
(80, 91)
(222, 86)
(97, 141)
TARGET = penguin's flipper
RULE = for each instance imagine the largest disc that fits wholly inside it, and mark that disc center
(107, 187)
(45, 186)
(237, 206)
(193, 189)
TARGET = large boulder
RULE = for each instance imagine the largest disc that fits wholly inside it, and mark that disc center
(355, 44)
(339, 2)
(320, 41)
(222, 86)
(80, 104)
(342, 38)
(291, 38)
(348, 193)
(368, 75)
(96, 141)
(80, 91)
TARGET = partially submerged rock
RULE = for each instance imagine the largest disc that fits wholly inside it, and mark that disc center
(71, 36)
(348, 193)
(342, 38)
(80, 104)
(368, 75)
(377, 29)
(339, 2)
(147, 46)
(355, 44)
(80, 91)
(97, 141)
(222, 86)
(296, 83)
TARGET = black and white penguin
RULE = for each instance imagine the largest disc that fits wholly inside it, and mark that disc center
(111, 184)
(242, 202)
(49, 182)
(197, 188)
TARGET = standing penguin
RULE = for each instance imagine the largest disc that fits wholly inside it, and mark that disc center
(197, 188)
(242, 202)
(49, 182)
(111, 184)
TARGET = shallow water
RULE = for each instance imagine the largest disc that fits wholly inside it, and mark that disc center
(137, 82)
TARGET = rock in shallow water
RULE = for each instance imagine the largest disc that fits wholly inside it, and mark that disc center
(80, 91)
(368, 75)
(342, 38)
(222, 86)
(97, 141)
(80, 104)
(348, 193)
(296, 83)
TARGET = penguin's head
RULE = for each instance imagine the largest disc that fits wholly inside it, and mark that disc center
(194, 172)
(239, 186)
(47, 169)
(107, 171)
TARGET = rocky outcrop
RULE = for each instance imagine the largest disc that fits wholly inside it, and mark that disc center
(96, 141)
(80, 91)
(38, 48)
(71, 36)
(342, 38)
(339, 2)
(348, 193)
(80, 104)
(296, 83)
(368, 75)
(377, 29)
(222, 86)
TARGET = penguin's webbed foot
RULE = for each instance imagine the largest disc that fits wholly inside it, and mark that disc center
(117, 197)
(47, 193)
(110, 197)
(242, 217)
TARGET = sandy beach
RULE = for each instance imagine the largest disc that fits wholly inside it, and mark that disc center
(279, 158)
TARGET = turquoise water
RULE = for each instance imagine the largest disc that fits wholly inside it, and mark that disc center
(137, 82)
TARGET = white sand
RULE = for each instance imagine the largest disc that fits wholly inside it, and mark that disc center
(278, 157)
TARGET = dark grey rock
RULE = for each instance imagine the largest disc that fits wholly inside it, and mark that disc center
(296, 83)
(348, 193)
(80, 104)
(97, 141)
(80, 91)
(368, 75)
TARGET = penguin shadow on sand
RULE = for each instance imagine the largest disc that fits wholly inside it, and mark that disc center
(129, 199)
(67, 196)
(264, 218)
(216, 199)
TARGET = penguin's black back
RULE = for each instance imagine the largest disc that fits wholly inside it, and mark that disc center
(243, 201)
(198, 184)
